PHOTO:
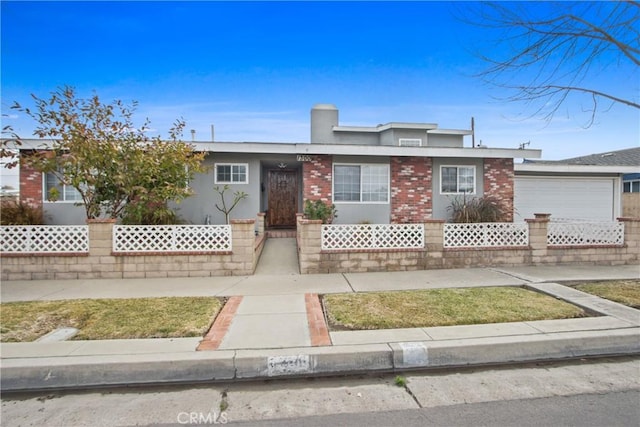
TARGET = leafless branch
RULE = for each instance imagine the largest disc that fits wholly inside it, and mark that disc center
(554, 50)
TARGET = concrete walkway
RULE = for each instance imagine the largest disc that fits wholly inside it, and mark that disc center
(268, 321)
(279, 257)
(273, 325)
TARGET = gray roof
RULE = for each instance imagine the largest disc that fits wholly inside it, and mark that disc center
(626, 157)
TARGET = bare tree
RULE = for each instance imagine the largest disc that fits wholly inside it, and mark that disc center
(546, 52)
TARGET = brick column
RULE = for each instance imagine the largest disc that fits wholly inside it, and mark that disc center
(100, 237)
(30, 184)
(434, 243)
(260, 223)
(243, 259)
(309, 246)
(299, 217)
(498, 183)
(411, 189)
(317, 178)
(632, 238)
(538, 237)
(434, 235)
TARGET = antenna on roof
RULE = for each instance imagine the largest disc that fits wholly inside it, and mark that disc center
(473, 133)
(524, 144)
(193, 134)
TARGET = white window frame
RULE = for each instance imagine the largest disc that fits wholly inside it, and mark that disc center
(359, 202)
(246, 174)
(410, 142)
(63, 191)
(631, 183)
(472, 167)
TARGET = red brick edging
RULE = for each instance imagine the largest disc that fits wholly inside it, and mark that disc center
(318, 331)
(213, 338)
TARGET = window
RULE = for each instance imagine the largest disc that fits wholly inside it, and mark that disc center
(410, 142)
(231, 173)
(632, 186)
(457, 179)
(361, 183)
(66, 193)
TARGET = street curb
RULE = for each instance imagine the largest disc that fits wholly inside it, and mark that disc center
(48, 373)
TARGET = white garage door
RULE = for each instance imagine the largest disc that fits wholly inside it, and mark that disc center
(571, 198)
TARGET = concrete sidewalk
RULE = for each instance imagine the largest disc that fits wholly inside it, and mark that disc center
(272, 330)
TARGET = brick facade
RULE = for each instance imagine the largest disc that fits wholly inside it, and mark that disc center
(30, 185)
(498, 183)
(411, 189)
(317, 175)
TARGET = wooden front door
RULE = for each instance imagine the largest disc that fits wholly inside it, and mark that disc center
(283, 198)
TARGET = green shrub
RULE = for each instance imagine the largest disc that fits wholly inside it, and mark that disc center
(480, 209)
(318, 209)
(149, 214)
(20, 213)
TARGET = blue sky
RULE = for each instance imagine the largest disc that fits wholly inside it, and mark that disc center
(254, 70)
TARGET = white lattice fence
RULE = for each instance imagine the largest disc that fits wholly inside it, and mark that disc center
(585, 233)
(486, 234)
(44, 239)
(171, 238)
(372, 236)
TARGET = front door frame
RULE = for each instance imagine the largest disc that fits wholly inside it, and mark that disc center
(274, 218)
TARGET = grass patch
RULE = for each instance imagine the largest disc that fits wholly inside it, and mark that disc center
(102, 319)
(443, 307)
(625, 292)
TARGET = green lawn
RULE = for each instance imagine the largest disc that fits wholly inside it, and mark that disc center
(443, 307)
(110, 318)
(625, 292)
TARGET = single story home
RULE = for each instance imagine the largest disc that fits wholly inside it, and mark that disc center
(589, 187)
(389, 173)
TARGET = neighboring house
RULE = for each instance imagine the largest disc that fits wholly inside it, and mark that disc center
(585, 188)
(396, 172)
(631, 183)
(631, 195)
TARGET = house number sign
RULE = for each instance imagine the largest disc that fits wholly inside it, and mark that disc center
(304, 158)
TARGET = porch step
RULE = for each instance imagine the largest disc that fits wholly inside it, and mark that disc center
(280, 234)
